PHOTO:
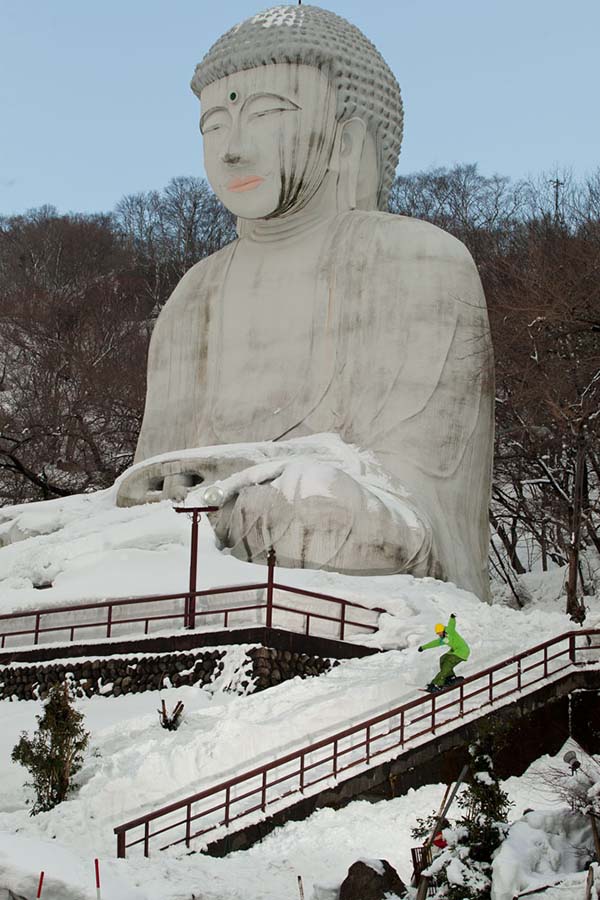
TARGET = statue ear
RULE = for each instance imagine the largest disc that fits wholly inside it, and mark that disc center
(356, 166)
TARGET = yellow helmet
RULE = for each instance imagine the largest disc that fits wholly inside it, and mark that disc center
(439, 628)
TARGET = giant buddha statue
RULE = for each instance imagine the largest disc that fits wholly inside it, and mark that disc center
(327, 316)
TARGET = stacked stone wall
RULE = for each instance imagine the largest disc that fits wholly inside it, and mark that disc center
(254, 669)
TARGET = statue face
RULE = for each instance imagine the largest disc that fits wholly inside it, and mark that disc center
(268, 134)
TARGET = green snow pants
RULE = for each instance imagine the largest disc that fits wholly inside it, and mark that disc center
(447, 663)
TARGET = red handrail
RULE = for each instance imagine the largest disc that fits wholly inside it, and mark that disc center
(109, 622)
(354, 747)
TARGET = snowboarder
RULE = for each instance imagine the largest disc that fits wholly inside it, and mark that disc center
(458, 653)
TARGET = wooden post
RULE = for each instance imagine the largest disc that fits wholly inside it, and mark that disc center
(589, 883)
(442, 813)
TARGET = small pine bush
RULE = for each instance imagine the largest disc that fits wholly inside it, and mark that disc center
(54, 754)
(462, 871)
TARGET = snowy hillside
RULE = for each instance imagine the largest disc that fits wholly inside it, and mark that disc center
(86, 548)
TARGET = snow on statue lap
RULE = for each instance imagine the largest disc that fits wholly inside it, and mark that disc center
(325, 316)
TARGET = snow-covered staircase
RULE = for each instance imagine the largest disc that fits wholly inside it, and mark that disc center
(207, 817)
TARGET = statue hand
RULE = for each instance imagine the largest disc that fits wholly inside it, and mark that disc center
(173, 479)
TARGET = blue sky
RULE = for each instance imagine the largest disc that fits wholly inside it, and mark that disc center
(95, 102)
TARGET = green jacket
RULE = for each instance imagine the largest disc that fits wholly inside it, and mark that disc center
(457, 644)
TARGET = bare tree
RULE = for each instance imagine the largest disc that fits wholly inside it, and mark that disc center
(72, 355)
(170, 231)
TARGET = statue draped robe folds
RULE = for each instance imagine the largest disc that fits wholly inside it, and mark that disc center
(396, 361)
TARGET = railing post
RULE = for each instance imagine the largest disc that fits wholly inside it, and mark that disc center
(271, 560)
(433, 713)
(335, 759)
(227, 799)
(146, 838)
(402, 728)
(121, 846)
(572, 649)
(188, 824)
(461, 700)
(36, 635)
(519, 675)
(491, 686)
(263, 798)
(546, 661)
(302, 766)
(109, 620)
(343, 621)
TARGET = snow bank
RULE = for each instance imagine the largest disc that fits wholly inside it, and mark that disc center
(541, 848)
(67, 875)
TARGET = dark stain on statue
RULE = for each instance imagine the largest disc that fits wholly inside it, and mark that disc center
(306, 533)
(245, 533)
(202, 356)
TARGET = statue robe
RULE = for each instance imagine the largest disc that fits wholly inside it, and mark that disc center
(397, 360)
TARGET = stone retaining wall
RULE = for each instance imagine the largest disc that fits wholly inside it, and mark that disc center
(252, 669)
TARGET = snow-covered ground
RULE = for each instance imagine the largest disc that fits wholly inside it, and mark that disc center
(88, 549)
(546, 845)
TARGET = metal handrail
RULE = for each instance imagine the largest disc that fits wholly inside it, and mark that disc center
(436, 705)
(109, 623)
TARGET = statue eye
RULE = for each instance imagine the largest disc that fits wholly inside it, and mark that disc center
(268, 104)
(268, 112)
(234, 97)
(214, 120)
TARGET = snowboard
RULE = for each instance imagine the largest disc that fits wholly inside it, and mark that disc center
(448, 684)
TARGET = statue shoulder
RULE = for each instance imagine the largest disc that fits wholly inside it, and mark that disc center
(414, 239)
(194, 285)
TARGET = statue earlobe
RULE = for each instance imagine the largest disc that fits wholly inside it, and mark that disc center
(356, 166)
(351, 138)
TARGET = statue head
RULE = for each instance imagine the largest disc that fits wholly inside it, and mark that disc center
(296, 101)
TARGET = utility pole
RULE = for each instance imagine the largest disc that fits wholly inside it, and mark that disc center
(557, 186)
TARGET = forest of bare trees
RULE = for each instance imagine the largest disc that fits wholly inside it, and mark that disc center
(79, 295)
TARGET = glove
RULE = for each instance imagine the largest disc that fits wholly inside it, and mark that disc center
(452, 616)
(420, 649)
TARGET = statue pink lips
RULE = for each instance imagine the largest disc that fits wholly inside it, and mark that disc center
(248, 183)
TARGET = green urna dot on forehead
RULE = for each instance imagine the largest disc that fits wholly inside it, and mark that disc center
(308, 35)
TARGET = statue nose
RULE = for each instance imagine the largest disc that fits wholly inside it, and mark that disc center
(232, 158)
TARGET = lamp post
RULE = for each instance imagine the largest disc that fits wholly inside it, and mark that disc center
(213, 497)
